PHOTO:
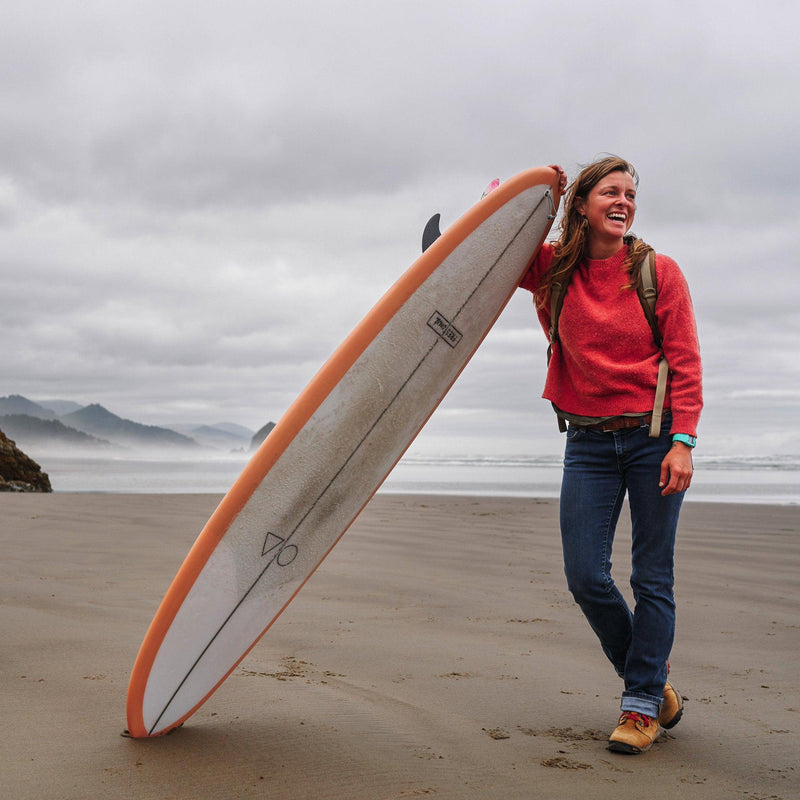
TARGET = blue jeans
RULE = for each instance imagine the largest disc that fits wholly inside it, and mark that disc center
(599, 468)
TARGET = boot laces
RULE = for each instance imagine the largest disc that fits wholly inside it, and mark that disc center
(641, 719)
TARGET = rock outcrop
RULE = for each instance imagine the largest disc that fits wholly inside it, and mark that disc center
(18, 472)
(260, 435)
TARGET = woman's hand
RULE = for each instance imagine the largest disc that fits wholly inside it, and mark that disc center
(562, 178)
(676, 469)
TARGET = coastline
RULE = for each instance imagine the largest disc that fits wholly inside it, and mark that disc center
(436, 652)
(770, 480)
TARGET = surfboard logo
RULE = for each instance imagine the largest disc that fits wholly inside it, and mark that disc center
(444, 329)
(285, 555)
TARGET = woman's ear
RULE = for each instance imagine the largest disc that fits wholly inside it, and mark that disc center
(580, 205)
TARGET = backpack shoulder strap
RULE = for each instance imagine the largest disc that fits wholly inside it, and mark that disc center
(648, 294)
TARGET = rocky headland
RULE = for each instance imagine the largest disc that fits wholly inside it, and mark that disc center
(19, 472)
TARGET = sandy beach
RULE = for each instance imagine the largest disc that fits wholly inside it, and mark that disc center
(435, 653)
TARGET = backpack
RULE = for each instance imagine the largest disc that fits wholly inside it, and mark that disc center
(648, 294)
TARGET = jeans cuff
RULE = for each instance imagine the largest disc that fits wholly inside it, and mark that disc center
(641, 703)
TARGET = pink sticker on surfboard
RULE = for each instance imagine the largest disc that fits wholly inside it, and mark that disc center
(491, 187)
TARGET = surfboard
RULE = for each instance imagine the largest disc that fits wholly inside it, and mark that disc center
(331, 451)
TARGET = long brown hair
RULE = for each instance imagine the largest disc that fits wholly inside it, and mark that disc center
(572, 246)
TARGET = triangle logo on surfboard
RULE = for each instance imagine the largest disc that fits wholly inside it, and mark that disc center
(271, 541)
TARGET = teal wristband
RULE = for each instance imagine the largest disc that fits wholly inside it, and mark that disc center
(690, 441)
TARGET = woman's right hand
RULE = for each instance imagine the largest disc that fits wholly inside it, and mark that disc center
(562, 178)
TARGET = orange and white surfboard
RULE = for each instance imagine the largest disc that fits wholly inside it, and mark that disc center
(331, 451)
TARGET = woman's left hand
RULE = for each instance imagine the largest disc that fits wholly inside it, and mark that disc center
(676, 469)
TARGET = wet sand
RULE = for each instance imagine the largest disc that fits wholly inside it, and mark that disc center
(435, 653)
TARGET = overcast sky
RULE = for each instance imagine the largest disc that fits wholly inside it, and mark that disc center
(198, 200)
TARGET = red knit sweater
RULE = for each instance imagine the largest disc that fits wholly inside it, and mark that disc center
(606, 362)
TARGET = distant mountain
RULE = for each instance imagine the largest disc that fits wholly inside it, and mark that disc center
(17, 404)
(70, 424)
(98, 421)
(218, 436)
(60, 407)
(35, 432)
(236, 430)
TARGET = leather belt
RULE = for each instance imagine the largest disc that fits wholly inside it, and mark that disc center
(619, 423)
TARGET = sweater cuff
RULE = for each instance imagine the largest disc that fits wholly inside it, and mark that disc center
(684, 423)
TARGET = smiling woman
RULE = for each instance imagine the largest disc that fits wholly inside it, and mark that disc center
(602, 380)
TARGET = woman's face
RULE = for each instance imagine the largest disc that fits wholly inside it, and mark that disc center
(609, 209)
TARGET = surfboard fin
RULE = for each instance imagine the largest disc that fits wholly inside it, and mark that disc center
(431, 232)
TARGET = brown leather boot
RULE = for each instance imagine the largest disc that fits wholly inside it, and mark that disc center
(635, 733)
(672, 707)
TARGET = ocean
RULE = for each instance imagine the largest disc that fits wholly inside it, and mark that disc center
(745, 479)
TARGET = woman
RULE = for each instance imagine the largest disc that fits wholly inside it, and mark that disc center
(601, 380)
